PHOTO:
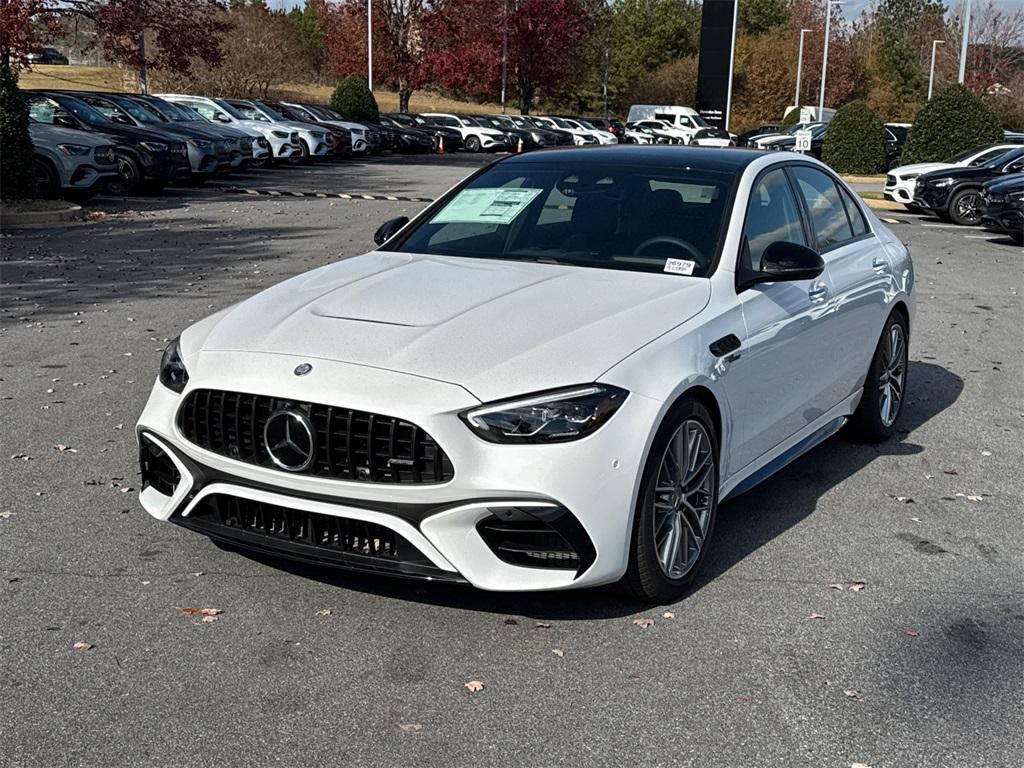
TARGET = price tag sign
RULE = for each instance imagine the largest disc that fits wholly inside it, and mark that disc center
(803, 140)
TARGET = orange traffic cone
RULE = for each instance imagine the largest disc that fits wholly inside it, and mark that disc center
(520, 147)
(440, 145)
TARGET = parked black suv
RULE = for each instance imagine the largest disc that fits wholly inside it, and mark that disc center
(955, 193)
(146, 159)
(1002, 206)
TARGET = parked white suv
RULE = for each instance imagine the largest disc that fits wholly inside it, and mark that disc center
(318, 114)
(284, 143)
(313, 141)
(475, 138)
(900, 182)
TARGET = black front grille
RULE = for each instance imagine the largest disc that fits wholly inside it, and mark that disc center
(349, 445)
(157, 468)
(529, 542)
(890, 180)
(296, 526)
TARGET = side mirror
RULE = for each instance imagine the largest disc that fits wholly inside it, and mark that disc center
(64, 121)
(220, 117)
(783, 261)
(121, 119)
(389, 229)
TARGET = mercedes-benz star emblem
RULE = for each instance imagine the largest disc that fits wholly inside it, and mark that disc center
(302, 369)
(290, 440)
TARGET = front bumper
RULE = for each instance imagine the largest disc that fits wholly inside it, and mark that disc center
(932, 198)
(899, 190)
(1002, 216)
(87, 177)
(487, 525)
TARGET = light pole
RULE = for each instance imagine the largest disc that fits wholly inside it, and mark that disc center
(369, 44)
(931, 74)
(963, 42)
(799, 67)
(824, 55)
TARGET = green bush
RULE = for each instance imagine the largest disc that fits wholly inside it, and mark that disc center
(17, 180)
(353, 99)
(953, 121)
(792, 117)
(854, 140)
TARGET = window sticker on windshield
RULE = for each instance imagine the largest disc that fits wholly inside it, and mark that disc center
(491, 205)
(680, 266)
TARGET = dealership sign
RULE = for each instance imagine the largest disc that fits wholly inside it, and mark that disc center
(714, 63)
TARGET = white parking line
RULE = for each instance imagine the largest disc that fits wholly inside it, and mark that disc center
(943, 226)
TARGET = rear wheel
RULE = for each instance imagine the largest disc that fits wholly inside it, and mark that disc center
(965, 207)
(886, 385)
(675, 511)
(47, 182)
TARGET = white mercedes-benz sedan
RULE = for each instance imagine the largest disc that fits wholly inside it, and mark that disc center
(549, 378)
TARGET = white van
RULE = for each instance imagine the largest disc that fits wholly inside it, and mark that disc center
(685, 121)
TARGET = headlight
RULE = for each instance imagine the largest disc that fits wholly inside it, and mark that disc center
(909, 176)
(280, 134)
(552, 417)
(200, 144)
(1016, 195)
(172, 368)
(941, 182)
(73, 149)
(154, 146)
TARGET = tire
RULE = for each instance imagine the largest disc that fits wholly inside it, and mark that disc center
(473, 144)
(129, 177)
(1017, 237)
(887, 376)
(46, 181)
(659, 516)
(965, 207)
(303, 156)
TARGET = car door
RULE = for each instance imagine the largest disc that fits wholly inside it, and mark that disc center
(860, 270)
(778, 385)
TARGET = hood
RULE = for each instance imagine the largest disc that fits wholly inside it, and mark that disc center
(52, 135)
(958, 172)
(497, 328)
(1013, 182)
(488, 131)
(919, 168)
(297, 126)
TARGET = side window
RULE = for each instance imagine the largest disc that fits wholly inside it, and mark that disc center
(203, 109)
(772, 215)
(984, 157)
(828, 216)
(860, 226)
(1015, 167)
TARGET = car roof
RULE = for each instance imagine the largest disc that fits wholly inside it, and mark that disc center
(725, 159)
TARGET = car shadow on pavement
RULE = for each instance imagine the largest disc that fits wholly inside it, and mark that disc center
(744, 524)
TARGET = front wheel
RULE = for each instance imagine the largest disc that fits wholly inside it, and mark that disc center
(303, 155)
(47, 182)
(472, 144)
(129, 177)
(965, 207)
(885, 388)
(675, 512)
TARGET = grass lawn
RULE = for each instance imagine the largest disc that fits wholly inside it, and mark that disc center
(76, 78)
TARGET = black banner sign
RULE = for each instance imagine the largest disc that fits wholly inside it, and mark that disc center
(714, 64)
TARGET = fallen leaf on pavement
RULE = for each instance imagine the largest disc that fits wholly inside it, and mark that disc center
(851, 693)
(202, 611)
(644, 623)
(81, 645)
(511, 622)
(857, 586)
(904, 499)
(668, 615)
(815, 616)
(839, 587)
(410, 727)
(209, 619)
(859, 765)
(558, 652)
(543, 625)
(65, 448)
(911, 632)
(324, 612)
(6, 514)
(744, 699)
(474, 686)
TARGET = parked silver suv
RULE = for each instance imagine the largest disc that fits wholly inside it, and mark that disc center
(71, 163)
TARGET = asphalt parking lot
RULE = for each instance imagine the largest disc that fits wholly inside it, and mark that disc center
(863, 606)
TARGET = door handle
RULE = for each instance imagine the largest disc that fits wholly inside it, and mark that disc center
(880, 264)
(725, 345)
(818, 292)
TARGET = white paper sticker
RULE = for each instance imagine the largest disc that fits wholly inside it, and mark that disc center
(680, 266)
(489, 205)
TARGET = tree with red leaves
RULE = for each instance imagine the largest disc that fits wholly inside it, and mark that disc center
(405, 34)
(157, 34)
(541, 39)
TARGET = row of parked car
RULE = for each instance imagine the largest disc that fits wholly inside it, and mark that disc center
(982, 186)
(773, 137)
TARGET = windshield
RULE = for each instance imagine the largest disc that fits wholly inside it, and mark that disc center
(636, 218)
(698, 120)
(404, 120)
(268, 111)
(562, 123)
(586, 125)
(231, 111)
(1006, 157)
(84, 112)
(135, 110)
(179, 113)
(519, 122)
